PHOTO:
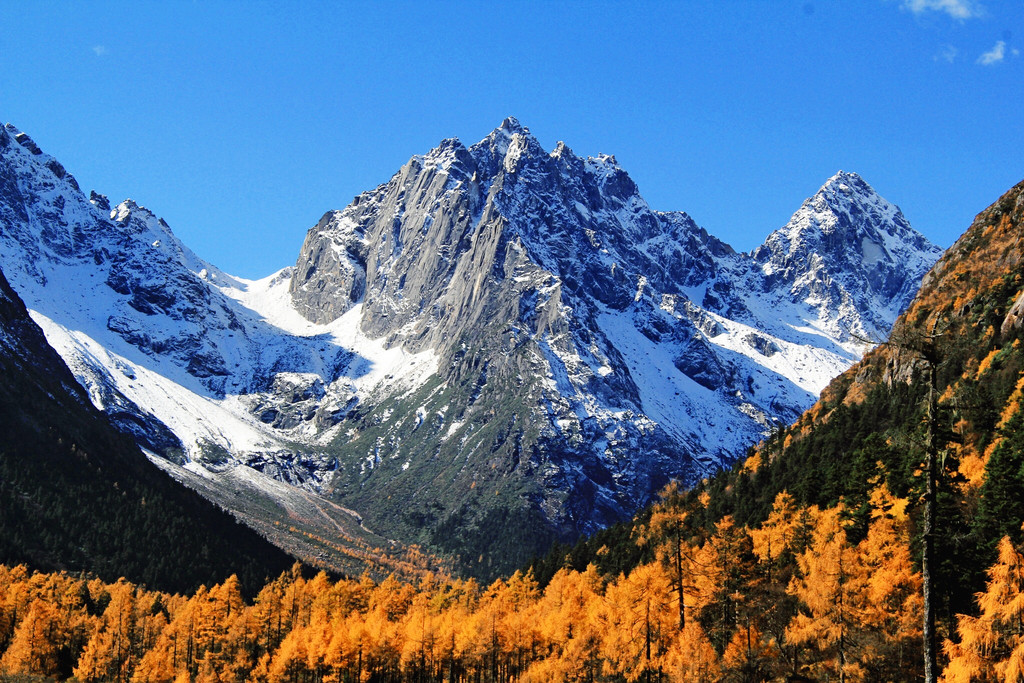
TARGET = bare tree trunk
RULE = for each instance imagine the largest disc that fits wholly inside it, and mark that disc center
(842, 620)
(679, 575)
(928, 553)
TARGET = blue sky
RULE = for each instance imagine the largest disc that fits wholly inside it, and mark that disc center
(242, 122)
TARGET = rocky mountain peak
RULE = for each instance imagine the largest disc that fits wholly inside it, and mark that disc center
(499, 138)
(10, 132)
(510, 126)
(128, 211)
(516, 322)
(846, 183)
(22, 139)
(848, 210)
(142, 225)
(127, 208)
(100, 201)
(847, 248)
(561, 150)
(504, 147)
(844, 206)
(613, 180)
(450, 155)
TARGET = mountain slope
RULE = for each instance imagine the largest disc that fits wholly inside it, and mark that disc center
(498, 337)
(77, 495)
(968, 319)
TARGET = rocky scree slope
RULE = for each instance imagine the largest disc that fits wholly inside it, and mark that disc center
(497, 339)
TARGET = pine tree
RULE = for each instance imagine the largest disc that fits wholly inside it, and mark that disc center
(640, 623)
(691, 658)
(568, 620)
(722, 569)
(110, 653)
(891, 604)
(749, 656)
(668, 531)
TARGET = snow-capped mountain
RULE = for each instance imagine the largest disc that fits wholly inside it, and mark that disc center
(498, 337)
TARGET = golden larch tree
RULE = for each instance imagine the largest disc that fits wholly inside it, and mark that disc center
(991, 646)
(640, 623)
(36, 642)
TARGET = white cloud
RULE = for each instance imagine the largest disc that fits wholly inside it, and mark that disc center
(995, 55)
(100, 50)
(958, 9)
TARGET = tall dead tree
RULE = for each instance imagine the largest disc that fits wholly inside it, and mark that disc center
(931, 359)
(924, 347)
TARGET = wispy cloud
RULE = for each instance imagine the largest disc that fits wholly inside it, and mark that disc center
(958, 9)
(100, 50)
(949, 54)
(995, 55)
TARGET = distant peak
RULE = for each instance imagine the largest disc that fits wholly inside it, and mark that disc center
(604, 159)
(560, 150)
(843, 175)
(100, 201)
(450, 144)
(123, 211)
(847, 205)
(508, 129)
(845, 182)
(511, 125)
(129, 208)
(505, 146)
(447, 152)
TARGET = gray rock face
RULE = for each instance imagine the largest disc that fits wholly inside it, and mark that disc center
(457, 231)
(333, 269)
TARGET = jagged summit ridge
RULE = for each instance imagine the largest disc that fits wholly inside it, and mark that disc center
(558, 207)
(499, 332)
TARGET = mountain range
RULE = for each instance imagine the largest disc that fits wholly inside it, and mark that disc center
(498, 338)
